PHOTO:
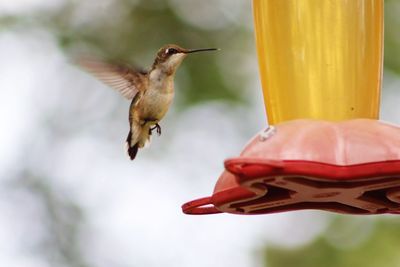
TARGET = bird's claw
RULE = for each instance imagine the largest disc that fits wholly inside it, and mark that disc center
(157, 128)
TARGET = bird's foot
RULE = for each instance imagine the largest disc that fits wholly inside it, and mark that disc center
(157, 128)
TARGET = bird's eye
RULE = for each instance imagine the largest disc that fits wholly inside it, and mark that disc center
(171, 51)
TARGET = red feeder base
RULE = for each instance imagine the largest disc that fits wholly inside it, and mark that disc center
(348, 167)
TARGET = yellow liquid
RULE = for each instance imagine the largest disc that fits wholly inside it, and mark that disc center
(320, 59)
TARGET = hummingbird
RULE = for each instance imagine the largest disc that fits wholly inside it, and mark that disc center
(151, 92)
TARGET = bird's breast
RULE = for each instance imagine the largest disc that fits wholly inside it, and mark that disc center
(155, 103)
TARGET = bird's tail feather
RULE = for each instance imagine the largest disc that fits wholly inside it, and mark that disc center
(137, 138)
(131, 149)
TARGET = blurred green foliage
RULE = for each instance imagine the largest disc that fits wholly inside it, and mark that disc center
(380, 247)
(133, 32)
(392, 35)
(128, 31)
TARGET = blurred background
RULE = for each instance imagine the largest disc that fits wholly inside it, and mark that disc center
(69, 196)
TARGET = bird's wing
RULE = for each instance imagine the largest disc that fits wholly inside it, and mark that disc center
(122, 78)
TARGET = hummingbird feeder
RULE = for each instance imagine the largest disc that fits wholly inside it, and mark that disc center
(321, 70)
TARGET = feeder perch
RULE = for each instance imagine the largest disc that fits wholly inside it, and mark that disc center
(321, 67)
(347, 167)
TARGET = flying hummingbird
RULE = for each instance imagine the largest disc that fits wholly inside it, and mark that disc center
(151, 91)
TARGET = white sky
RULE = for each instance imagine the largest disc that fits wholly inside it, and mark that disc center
(19, 7)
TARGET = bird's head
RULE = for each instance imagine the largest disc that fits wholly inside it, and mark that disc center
(170, 56)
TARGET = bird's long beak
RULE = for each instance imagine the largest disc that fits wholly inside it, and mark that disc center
(200, 50)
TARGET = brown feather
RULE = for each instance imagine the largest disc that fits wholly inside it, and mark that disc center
(122, 78)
